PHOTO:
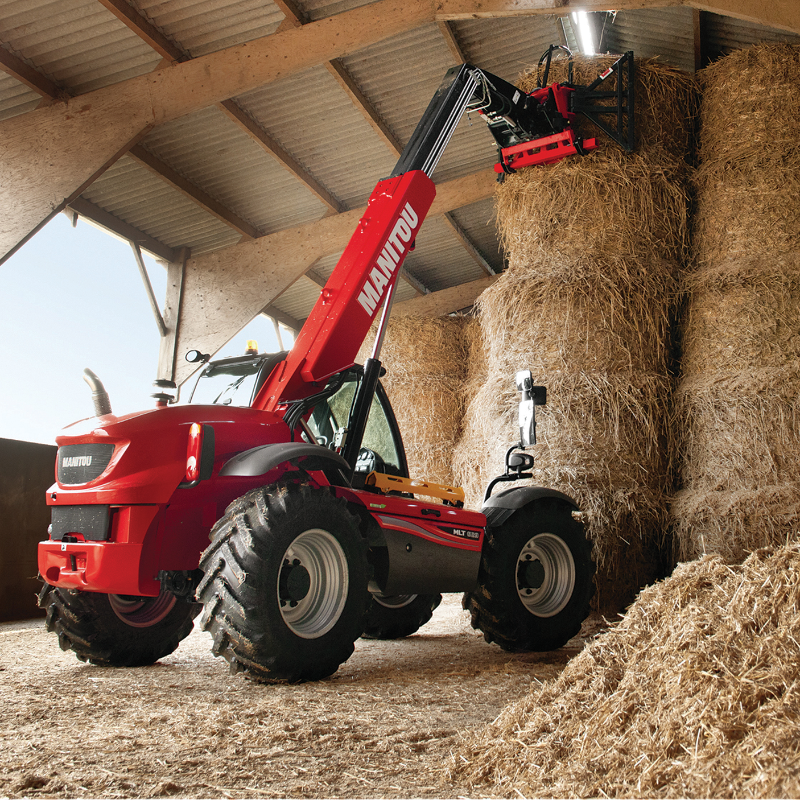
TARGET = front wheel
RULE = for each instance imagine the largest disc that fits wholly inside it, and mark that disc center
(398, 615)
(114, 630)
(536, 579)
(285, 584)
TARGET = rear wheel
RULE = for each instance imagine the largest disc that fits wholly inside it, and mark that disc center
(536, 579)
(117, 630)
(285, 584)
(398, 615)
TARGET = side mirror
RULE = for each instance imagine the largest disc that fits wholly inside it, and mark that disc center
(196, 357)
(532, 396)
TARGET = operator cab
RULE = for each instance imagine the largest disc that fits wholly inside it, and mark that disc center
(330, 420)
(323, 419)
(234, 381)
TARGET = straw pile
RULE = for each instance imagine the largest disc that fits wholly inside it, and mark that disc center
(694, 694)
(594, 245)
(426, 365)
(739, 399)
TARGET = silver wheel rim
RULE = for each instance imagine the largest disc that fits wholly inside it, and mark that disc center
(394, 600)
(142, 612)
(318, 557)
(545, 575)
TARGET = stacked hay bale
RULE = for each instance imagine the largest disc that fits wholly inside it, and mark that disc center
(693, 694)
(426, 365)
(594, 246)
(739, 398)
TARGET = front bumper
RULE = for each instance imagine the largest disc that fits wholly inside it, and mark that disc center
(127, 564)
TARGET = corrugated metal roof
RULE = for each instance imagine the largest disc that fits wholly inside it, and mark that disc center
(311, 116)
(80, 45)
(205, 26)
(215, 154)
(136, 196)
(666, 34)
(16, 97)
(722, 35)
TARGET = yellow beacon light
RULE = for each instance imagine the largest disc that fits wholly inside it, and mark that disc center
(252, 348)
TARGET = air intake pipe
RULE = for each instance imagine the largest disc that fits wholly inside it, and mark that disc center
(102, 405)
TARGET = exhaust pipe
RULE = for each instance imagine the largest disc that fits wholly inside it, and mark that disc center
(102, 405)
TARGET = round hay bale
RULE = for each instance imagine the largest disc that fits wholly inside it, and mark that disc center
(741, 431)
(750, 110)
(693, 694)
(425, 360)
(612, 314)
(747, 214)
(594, 247)
(738, 399)
(603, 207)
(734, 523)
(742, 327)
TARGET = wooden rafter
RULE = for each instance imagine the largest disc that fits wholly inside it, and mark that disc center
(781, 14)
(236, 113)
(297, 18)
(467, 244)
(143, 28)
(83, 208)
(194, 193)
(285, 319)
(450, 40)
(82, 135)
(17, 68)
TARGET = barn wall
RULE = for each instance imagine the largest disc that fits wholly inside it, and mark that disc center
(26, 472)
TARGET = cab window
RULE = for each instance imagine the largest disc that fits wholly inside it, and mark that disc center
(333, 414)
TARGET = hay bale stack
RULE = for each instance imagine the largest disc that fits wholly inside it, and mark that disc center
(693, 694)
(594, 245)
(739, 398)
(426, 366)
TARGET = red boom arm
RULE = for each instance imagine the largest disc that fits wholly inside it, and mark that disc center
(338, 324)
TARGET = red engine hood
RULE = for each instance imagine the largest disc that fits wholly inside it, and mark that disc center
(149, 458)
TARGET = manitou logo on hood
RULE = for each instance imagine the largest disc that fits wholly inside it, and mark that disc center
(392, 254)
(76, 461)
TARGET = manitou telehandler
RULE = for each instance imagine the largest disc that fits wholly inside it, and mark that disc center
(294, 467)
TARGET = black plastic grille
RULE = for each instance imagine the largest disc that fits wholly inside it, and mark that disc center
(91, 521)
(80, 463)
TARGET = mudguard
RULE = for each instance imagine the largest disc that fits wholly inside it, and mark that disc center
(499, 507)
(260, 460)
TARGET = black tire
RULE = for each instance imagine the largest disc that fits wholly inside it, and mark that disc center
(285, 585)
(117, 630)
(535, 581)
(399, 615)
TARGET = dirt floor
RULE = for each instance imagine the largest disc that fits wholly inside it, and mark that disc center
(383, 726)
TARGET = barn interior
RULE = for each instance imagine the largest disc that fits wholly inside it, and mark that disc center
(655, 293)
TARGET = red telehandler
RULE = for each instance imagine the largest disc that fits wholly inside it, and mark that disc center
(318, 535)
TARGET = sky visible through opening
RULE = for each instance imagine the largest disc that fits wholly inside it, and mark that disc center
(72, 298)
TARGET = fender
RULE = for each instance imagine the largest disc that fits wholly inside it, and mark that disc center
(262, 459)
(499, 507)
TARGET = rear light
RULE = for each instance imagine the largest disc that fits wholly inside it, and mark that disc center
(193, 452)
